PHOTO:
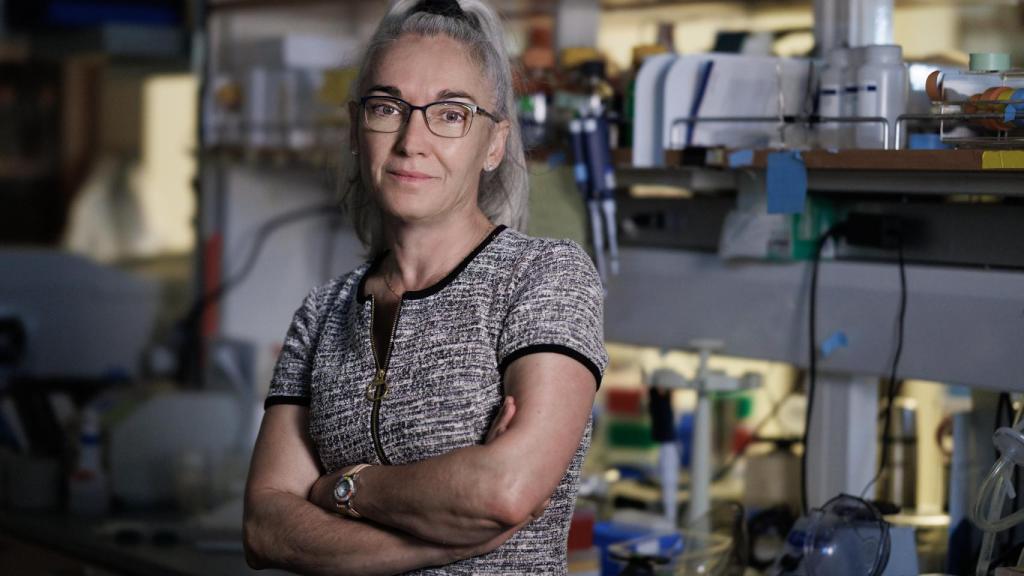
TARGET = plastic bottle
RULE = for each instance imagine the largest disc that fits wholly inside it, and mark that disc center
(848, 103)
(882, 89)
(830, 98)
(88, 490)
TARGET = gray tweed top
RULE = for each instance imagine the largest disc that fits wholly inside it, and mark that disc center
(512, 296)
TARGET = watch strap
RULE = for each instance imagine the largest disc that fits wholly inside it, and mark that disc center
(346, 506)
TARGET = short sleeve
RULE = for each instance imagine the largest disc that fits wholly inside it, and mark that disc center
(557, 306)
(292, 373)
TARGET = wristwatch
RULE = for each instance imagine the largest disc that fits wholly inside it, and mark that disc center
(345, 492)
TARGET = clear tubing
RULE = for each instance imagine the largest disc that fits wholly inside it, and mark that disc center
(995, 484)
(994, 509)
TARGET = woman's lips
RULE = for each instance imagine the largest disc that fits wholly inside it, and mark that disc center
(409, 176)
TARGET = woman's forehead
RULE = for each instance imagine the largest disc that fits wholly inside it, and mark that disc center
(429, 67)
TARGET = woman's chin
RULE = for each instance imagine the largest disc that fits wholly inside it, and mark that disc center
(412, 210)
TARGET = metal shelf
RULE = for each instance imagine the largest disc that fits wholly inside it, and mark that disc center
(925, 172)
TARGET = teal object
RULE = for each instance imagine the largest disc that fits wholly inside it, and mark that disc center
(990, 62)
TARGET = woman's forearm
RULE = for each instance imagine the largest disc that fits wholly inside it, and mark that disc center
(473, 496)
(465, 497)
(283, 530)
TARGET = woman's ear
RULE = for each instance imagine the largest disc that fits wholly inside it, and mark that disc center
(496, 148)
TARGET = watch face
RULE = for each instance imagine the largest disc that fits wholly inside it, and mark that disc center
(343, 489)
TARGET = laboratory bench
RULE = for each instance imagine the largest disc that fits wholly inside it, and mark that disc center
(34, 543)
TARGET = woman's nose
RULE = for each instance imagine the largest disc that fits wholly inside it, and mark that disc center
(414, 136)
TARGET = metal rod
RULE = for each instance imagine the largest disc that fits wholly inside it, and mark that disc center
(790, 120)
(902, 119)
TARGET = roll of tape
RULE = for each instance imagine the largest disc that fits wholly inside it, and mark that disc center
(990, 61)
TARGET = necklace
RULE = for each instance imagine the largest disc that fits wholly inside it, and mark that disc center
(399, 296)
(388, 284)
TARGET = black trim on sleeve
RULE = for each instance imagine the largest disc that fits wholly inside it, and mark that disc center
(296, 400)
(557, 349)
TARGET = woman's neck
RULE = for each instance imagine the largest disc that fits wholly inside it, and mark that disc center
(422, 254)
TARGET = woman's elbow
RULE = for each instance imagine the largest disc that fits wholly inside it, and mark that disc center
(257, 528)
(252, 543)
(516, 502)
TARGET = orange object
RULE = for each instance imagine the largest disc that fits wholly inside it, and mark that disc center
(970, 107)
(933, 86)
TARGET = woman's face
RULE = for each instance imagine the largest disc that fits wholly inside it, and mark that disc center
(415, 175)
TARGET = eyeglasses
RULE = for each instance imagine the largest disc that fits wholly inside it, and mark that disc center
(447, 119)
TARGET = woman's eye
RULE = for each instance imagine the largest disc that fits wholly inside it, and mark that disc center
(453, 116)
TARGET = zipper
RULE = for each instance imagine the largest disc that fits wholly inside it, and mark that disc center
(377, 389)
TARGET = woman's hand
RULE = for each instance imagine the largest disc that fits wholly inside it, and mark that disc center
(498, 427)
(502, 420)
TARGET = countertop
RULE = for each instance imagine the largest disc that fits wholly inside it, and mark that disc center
(136, 544)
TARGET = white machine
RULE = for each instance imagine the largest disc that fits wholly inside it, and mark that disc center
(81, 319)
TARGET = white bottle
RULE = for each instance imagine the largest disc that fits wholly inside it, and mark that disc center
(848, 104)
(830, 97)
(88, 491)
(882, 89)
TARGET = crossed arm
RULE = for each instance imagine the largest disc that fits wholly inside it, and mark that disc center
(434, 512)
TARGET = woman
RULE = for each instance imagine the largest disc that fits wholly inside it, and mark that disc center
(431, 409)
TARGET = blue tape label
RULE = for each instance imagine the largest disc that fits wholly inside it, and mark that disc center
(740, 158)
(786, 183)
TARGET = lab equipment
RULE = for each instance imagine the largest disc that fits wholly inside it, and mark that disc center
(88, 490)
(150, 449)
(82, 320)
(995, 490)
(663, 430)
(705, 383)
(990, 88)
(602, 172)
(898, 483)
(674, 553)
(882, 90)
(594, 173)
(649, 97)
(732, 86)
(851, 93)
(830, 97)
(845, 537)
(585, 185)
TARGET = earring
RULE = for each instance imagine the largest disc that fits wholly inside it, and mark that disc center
(488, 168)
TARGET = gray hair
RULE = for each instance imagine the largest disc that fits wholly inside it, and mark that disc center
(504, 192)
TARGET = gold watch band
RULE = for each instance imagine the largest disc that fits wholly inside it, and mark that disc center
(347, 507)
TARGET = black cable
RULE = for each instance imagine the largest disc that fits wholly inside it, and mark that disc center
(894, 384)
(189, 352)
(813, 358)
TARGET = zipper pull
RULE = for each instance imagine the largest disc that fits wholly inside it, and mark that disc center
(378, 388)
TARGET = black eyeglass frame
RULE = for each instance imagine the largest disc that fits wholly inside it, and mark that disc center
(474, 108)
